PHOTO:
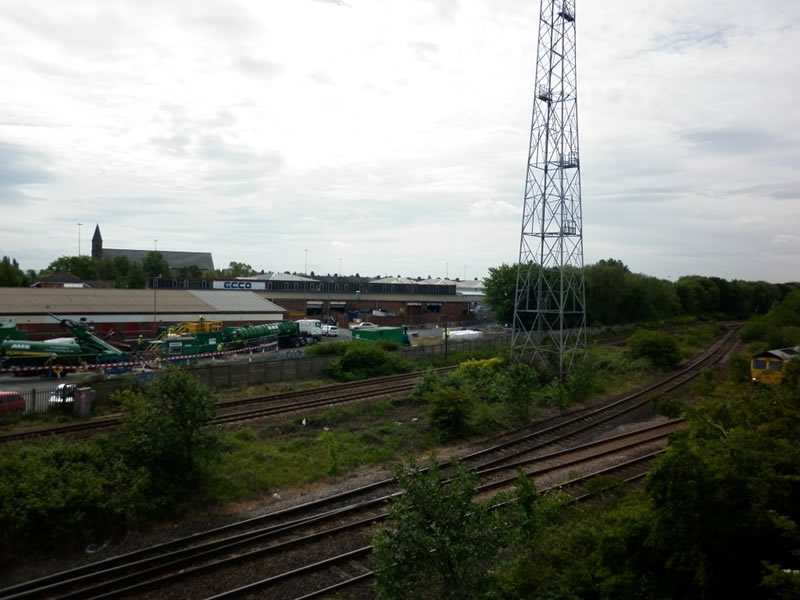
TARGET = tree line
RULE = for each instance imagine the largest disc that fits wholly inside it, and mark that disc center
(125, 273)
(615, 295)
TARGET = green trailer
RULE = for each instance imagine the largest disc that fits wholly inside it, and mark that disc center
(372, 334)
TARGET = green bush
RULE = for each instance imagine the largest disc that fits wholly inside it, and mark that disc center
(363, 360)
(62, 493)
(426, 384)
(387, 345)
(438, 542)
(328, 349)
(517, 385)
(449, 410)
(659, 348)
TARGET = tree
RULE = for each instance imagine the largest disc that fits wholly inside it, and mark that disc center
(11, 275)
(135, 279)
(724, 498)
(500, 288)
(238, 269)
(659, 348)
(155, 265)
(162, 427)
(437, 543)
(190, 272)
(82, 267)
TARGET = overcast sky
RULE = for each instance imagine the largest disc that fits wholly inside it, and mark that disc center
(391, 135)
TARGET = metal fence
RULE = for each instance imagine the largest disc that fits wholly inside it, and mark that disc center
(58, 398)
(64, 397)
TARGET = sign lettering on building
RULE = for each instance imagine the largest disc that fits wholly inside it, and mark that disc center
(239, 285)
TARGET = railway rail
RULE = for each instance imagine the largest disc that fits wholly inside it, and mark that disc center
(291, 534)
(280, 540)
(232, 411)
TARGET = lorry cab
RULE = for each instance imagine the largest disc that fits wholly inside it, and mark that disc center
(310, 329)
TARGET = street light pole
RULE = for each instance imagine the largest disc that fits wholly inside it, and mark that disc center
(155, 290)
(305, 267)
(79, 238)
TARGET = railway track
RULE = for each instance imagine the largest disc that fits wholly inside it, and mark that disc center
(232, 411)
(271, 544)
(269, 548)
(261, 407)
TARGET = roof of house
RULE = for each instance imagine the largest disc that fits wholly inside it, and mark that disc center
(175, 260)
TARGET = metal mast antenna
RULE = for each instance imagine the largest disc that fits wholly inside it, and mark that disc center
(549, 307)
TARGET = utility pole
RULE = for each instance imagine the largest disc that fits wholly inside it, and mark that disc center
(79, 238)
(550, 304)
(305, 267)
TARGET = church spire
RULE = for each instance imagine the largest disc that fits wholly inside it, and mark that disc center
(97, 244)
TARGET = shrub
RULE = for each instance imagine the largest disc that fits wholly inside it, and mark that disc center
(448, 412)
(426, 384)
(64, 493)
(516, 387)
(438, 542)
(162, 431)
(328, 349)
(387, 345)
(580, 383)
(657, 347)
(362, 360)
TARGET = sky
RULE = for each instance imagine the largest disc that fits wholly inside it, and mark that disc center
(390, 137)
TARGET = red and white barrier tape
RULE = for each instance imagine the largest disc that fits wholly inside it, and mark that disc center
(157, 361)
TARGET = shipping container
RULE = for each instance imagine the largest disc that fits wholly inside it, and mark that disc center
(391, 334)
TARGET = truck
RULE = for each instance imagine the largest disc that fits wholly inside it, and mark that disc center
(310, 329)
(288, 334)
(193, 339)
(84, 349)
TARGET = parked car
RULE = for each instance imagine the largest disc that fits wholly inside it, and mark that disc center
(11, 402)
(362, 325)
(330, 330)
(65, 392)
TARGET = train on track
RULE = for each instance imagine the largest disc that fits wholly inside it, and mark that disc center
(769, 366)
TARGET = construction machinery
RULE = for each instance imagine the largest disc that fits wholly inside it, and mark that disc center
(82, 350)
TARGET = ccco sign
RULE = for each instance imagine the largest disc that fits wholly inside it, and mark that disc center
(239, 285)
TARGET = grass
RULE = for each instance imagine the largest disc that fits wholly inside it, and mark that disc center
(261, 461)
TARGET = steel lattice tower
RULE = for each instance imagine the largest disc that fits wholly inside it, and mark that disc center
(549, 308)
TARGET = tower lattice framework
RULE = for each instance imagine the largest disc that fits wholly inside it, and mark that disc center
(550, 304)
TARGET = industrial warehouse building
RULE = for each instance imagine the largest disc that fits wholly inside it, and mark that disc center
(130, 312)
(386, 300)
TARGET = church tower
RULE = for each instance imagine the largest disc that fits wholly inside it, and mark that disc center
(97, 244)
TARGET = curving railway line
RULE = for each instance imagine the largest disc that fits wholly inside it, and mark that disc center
(298, 551)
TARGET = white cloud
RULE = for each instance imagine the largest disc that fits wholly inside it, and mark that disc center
(258, 130)
(492, 208)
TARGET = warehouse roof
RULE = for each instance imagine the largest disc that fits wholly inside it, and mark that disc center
(21, 301)
(235, 301)
(272, 276)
